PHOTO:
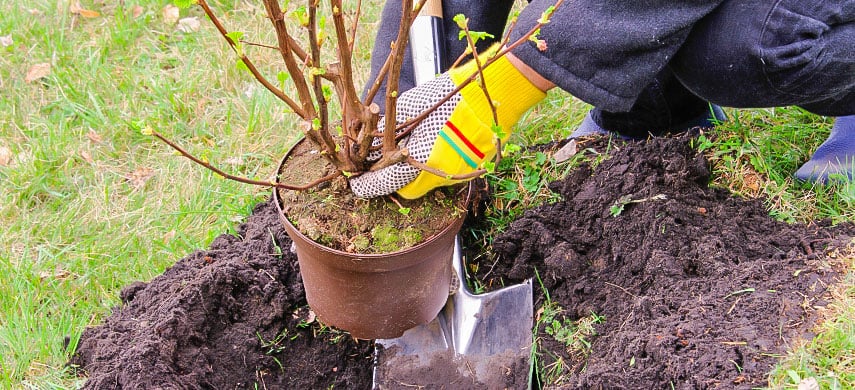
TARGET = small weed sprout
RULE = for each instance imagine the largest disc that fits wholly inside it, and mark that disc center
(617, 208)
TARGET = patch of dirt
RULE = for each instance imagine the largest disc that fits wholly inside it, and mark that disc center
(698, 290)
(331, 215)
(230, 317)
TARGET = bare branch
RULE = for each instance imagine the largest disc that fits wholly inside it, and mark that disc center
(239, 178)
(351, 97)
(391, 158)
(277, 18)
(353, 28)
(381, 74)
(440, 173)
(392, 93)
(258, 76)
(482, 82)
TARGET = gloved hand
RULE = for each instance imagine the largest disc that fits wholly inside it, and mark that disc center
(457, 138)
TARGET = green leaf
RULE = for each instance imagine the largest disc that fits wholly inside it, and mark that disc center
(479, 35)
(327, 91)
(235, 36)
(242, 65)
(302, 15)
(794, 376)
(616, 209)
(498, 131)
(184, 3)
(546, 15)
(404, 210)
(461, 21)
(489, 166)
(283, 77)
(511, 149)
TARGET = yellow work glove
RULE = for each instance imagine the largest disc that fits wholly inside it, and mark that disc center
(458, 137)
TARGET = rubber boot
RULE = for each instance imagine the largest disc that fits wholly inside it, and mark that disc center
(835, 158)
(706, 120)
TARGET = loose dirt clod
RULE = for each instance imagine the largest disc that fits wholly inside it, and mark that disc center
(696, 290)
(233, 316)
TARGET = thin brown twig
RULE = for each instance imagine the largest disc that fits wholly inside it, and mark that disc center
(482, 82)
(277, 18)
(345, 55)
(392, 85)
(355, 24)
(248, 43)
(241, 179)
(410, 124)
(440, 173)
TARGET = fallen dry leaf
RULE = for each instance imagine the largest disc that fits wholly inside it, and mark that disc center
(137, 11)
(6, 40)
(93, 136)
(168, 236)
(76, 9)
(809, 384)
(235, 160)
(189, 25)
(140, 176)
(57, 274)
(568, 150)
(86, 156)
(5, 156)
(37, 71)
(170, 14)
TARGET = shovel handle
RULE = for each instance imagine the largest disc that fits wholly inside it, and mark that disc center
(427, 41)
(432, 8)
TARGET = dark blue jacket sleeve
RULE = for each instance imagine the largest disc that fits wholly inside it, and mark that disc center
(606, 52)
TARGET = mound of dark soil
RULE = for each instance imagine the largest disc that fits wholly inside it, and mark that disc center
(233, 316)
(699, 289)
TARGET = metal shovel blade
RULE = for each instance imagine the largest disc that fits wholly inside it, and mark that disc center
(476, 341)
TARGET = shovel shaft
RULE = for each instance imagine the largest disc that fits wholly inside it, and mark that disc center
(427, 42)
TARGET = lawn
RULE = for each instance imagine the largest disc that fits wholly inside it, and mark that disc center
(90, 204)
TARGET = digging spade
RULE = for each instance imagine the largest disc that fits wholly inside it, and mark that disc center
(477, 340)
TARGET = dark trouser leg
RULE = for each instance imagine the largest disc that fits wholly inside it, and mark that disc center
(759, 53)
(489, 16)
(790, 52)
(763, 53)
(664, 106)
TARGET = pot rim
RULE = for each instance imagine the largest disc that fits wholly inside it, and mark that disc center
(364, 256)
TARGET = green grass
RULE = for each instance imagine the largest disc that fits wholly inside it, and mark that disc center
(90, 205)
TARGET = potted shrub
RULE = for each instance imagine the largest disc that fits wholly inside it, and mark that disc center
(379, 279)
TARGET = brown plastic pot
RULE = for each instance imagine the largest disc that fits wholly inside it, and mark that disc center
(375, 296)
